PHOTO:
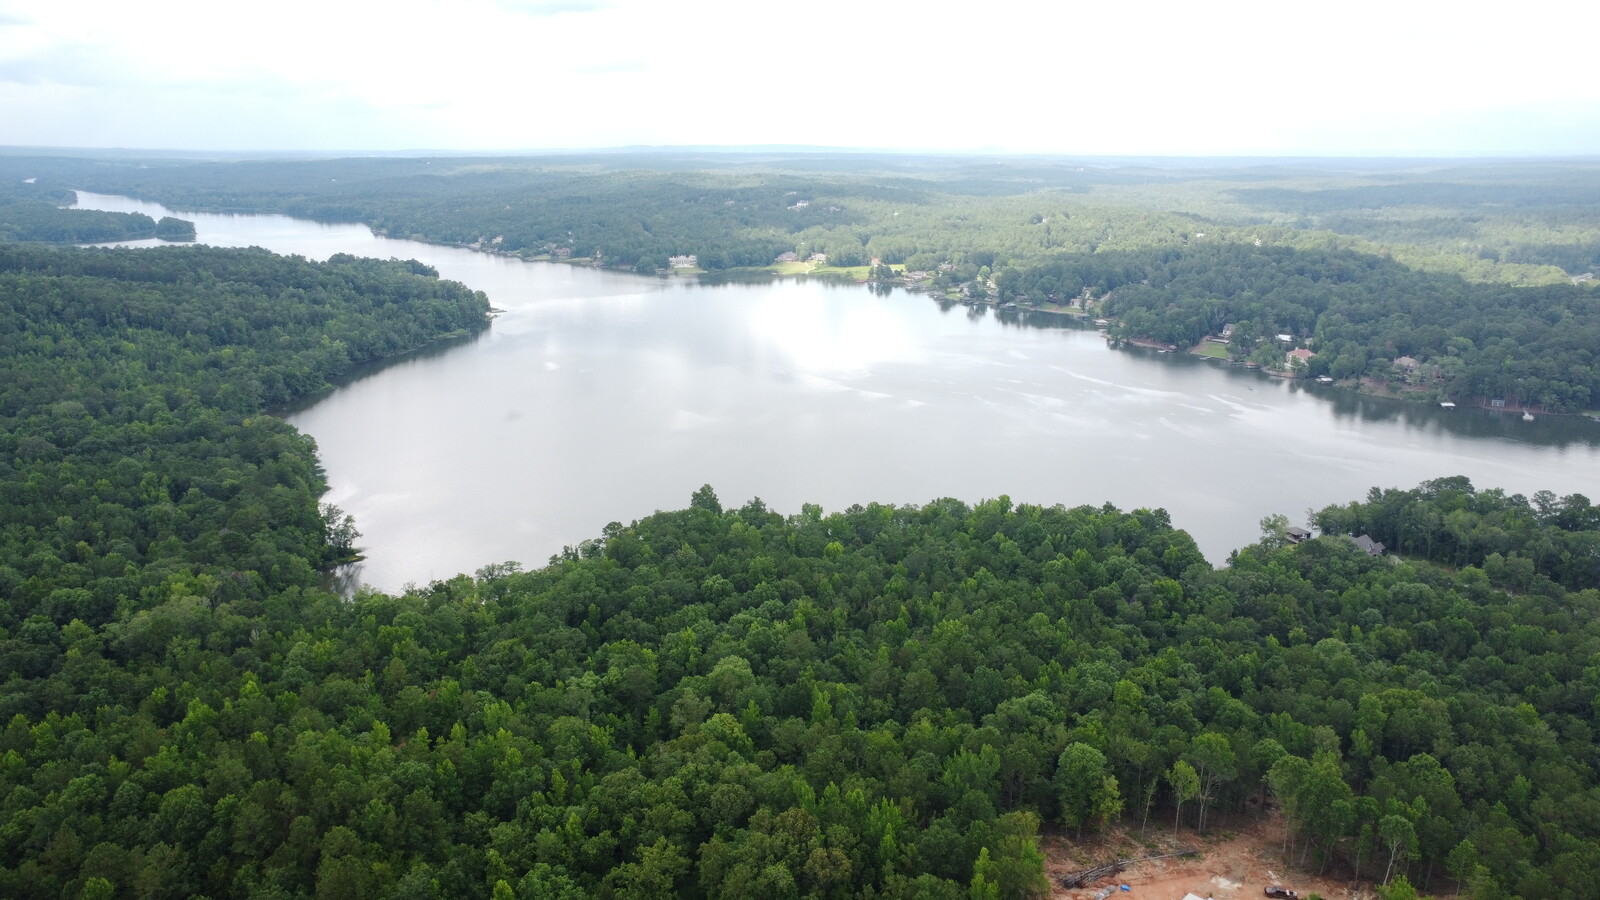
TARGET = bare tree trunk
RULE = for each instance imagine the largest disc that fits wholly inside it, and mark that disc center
(1149, 801)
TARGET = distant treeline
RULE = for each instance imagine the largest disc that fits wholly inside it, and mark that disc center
(32, 213)
(1453, 268)
(1486, 222)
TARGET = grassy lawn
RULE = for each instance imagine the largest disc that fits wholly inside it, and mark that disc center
(859, 273)
(1061, 308)
(1210, 350)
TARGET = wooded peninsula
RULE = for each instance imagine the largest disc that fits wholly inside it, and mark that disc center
(731, 701)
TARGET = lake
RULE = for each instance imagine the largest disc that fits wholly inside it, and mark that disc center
(600, 396)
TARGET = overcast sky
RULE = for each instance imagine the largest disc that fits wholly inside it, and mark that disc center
(1203, 78)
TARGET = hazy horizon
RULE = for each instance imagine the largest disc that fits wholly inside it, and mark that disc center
(1100, 160)
(514, 77)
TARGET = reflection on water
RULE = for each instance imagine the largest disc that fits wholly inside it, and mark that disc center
(344, 580)
(599, 396)
(373, 367)
(1471, 422)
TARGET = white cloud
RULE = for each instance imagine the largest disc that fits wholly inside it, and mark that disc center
(1179, 78)
(552, 7)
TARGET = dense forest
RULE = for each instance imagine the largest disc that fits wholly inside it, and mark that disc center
(1479, 272)
(1529, 346)
(133, 449)
(27, 220)
(31, 212)
(1518, 540)
(886, 701)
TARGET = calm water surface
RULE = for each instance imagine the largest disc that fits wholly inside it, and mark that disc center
(599, 397)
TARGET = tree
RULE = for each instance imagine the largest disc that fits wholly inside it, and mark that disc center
(340, 532)
(1397, 832)
(1214, 765)
(1275, 531)
(1264, 756)
(1185, 786)
(659, 867)
(1325, 802)
(1462, 862)
(1086, 792)
(705, 498)
(1399, 889)
(1285, 778)
(982, 887)
(1015, 866)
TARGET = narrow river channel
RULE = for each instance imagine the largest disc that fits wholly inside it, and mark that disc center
(599, 396)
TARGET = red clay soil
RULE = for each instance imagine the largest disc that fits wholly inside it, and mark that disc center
(1235, 862)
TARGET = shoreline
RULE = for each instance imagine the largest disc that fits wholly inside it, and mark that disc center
(1365, 386)
(772, 272)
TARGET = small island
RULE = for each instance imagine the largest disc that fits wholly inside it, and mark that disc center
(31, 213)
(171, 229)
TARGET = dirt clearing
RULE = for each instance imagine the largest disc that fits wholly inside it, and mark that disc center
(1232, 863)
